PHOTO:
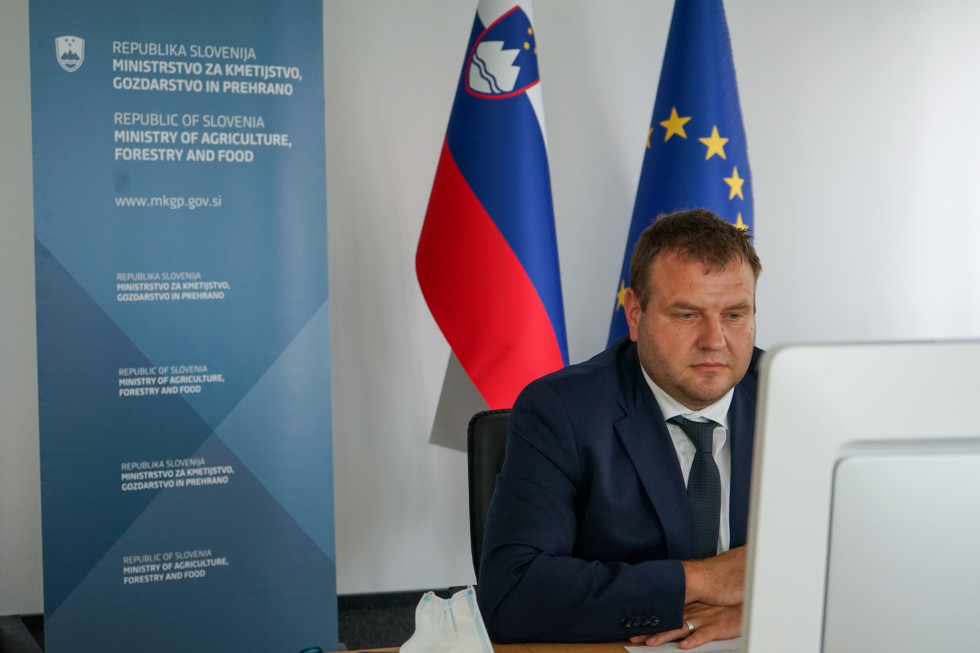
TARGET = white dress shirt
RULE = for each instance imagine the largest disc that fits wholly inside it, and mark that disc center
(720, 447)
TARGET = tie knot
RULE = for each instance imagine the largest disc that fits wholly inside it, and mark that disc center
(700, 433)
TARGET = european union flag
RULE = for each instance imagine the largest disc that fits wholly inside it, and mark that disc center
(696, 154)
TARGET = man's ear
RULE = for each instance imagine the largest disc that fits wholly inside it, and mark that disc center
(632, 309)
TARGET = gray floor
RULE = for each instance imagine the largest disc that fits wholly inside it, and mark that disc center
(16, 635)
(376, 620)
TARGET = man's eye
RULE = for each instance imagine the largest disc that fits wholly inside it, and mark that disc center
(686, 316)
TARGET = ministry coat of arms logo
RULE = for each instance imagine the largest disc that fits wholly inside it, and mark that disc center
(70, 51)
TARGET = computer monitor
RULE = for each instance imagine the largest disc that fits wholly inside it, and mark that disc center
(864, 528)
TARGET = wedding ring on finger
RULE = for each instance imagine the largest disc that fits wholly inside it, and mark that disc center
(690, 626)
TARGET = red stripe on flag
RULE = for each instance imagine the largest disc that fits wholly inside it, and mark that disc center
(479, 293)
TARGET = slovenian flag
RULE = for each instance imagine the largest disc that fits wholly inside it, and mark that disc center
(487, 259)
(696, 155)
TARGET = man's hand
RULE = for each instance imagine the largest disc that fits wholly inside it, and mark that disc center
(710, 622)
(719, 580)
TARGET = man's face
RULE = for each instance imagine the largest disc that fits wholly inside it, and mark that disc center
(696, 335)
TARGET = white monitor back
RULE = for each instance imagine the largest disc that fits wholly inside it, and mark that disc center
(864, 530)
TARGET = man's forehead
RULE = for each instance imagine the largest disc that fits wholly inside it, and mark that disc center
(676, 279)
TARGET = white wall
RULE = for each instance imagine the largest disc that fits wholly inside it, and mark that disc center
(860, 125)
(20, 489)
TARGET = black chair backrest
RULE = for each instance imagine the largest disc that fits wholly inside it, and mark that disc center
(486, 438)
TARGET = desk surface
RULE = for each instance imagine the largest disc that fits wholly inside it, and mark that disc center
(608, 647)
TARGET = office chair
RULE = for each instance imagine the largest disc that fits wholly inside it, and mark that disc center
(486, 438)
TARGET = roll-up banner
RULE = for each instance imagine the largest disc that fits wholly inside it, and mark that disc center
(182, 325)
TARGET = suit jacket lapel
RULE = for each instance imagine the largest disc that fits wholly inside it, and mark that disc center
(644, 435)
(741, 421)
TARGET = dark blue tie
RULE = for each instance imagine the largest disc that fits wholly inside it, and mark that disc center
(703, 487)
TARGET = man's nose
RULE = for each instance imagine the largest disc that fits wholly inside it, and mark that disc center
(712, 334)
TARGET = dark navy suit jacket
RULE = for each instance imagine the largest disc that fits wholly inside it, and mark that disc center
(589, 518)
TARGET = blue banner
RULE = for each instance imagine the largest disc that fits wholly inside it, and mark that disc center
(182, 325)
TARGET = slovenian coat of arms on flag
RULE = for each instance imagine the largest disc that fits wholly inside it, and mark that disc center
(696, 155)
(487, 259)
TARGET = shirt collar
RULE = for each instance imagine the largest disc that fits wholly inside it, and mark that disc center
(670, 407)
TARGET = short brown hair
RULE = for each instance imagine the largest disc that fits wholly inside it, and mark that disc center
(695, 235)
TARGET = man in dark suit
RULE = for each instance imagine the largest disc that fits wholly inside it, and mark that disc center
(593, 534)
